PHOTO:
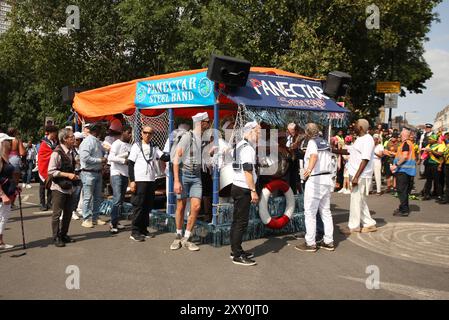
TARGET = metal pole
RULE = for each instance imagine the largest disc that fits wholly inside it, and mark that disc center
(171, 195)
(216, 174)
(390, 122)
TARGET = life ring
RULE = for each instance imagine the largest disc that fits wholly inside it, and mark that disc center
(276, 222)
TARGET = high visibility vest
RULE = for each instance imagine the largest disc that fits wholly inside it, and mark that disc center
(409, 165)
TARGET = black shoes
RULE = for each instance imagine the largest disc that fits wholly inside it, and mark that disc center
(326, 246)
(67, 239)
(243, 261)
(399, 213)
(137, 237)
(305, 247)
(248, 255)
(58, 242)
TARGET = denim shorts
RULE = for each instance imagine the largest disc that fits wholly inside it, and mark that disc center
(191, 185)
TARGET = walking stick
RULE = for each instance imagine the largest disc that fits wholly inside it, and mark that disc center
(23, 232)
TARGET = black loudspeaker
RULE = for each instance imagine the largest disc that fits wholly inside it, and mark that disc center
(68, 94)
(227, 70)
(337, 83)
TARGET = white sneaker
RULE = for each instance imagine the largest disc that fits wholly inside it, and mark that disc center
(75, 216)
(23, 185)
(347, 191)
(6, 246)
(342, 190)
(28, 186)
(120, 226)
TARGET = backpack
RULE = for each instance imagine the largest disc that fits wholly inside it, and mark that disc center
(323, 146)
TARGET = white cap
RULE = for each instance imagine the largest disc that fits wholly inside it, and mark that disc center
(184, 126)
(4, 136)
(78, 135)
(376, 136)
(200, 117)
(250, 126)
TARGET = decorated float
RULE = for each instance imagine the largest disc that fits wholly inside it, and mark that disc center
(272, 96)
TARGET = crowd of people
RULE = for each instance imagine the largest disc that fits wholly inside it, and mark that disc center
(71, 167)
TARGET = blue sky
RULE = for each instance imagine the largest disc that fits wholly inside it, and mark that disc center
(436, 96)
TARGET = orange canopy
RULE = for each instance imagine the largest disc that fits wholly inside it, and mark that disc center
(119, 98)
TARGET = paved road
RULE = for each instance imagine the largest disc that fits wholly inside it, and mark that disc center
(410, 254)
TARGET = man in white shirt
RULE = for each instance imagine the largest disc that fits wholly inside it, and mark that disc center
(317, 193)
(142, 174)
(243, 191)
(118, 157)
(360, 168)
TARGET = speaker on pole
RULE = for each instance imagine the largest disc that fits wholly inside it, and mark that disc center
(230, 71)
(68, 94)
(337, 83)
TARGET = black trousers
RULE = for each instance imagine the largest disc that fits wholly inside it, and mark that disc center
(240, 217)
(446, 182)
(432, 176)
(62, 203)
(42, 194)
(142, 202)
(293, 175)
(404, 187)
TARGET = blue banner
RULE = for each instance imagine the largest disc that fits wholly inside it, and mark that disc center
(268, 91)
(194, 90)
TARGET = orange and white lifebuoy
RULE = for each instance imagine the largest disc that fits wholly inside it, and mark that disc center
(276, 222)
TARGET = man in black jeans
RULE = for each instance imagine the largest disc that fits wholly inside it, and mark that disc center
(142, 174)
(244, 191)
(404, 166)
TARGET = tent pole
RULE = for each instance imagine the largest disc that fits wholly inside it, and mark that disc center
(170, 196)
(216, 174)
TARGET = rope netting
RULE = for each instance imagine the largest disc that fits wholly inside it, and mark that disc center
(159, 124)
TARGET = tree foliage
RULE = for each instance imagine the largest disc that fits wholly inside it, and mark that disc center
(123, 40)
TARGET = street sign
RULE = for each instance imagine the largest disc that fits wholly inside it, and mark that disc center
(391, 100)
(388, 87)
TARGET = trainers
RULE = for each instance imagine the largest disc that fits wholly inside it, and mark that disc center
(5, 246)
(99, 222)
(305, 247)
(369, 229)
(246, 254)
(176, 243)
(399, 213)
(342, 190)
(28, 186)
(120, 227)
(347, 232)
(146, 234)
(75, 216)
(347, 191)
(23, 185)
(326, 246)
(113, 230)
(189, 245)
(137, 237)
(87, 224)
(243, 261)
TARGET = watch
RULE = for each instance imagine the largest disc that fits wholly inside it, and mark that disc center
(253, 190)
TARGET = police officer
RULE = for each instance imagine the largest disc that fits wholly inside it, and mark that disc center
(244, 191)
(317, 193)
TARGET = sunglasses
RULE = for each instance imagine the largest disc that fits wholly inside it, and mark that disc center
(148, 132)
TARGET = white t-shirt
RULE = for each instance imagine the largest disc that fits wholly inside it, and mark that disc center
(378, 149)
(117, 156)
(246, 154)
(143, 170)
(362, 149)
(323, 164)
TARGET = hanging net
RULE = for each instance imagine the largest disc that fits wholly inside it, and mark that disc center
(159, 124)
